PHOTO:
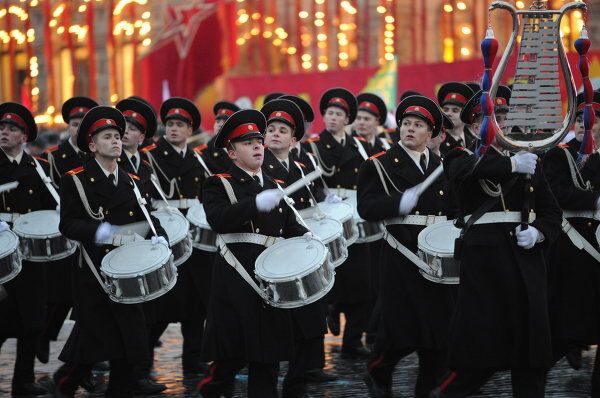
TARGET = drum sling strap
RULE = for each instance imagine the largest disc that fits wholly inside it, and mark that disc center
(361, 149)
(578, 240)
(46, 180)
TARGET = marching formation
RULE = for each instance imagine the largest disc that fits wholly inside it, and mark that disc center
(257, 240)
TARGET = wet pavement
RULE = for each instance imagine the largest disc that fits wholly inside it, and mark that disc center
(562, 380)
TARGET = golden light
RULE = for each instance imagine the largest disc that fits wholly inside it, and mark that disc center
(465, 51)
(321, 37)
(389, 56)
(52, 23)
(343, 55)
(276, 42)
(114, 98)
(319, 1)
(267, 34)
(520, 4)
(35, 91)
(390, 26)
(124, 3)
(448, 8)
(322, 66)
(381, 9)
(269, 20)
(577, 14)
(59, 10)
(306, 65)
(343, 63)
(282, 35)
(241, 11)
(388, 33)
(389, 49)
(254, 31)
(322, 44)
(306, 57)
(389, 19)
(291, 50)
(240, 41)
(146, 42)
(388, 41)
(466, 30)
(50, 110)
(243, 18)
(343, 42)
(319, 22)
(34, 3)
(256, 16)
(319, 15)
(145, 29)
(461, 6)
(60, 30)
(146, 14)
(82, 8)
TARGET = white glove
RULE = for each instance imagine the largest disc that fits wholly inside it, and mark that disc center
(308, 236)
(4, 226)
(58, 208)
(528, 238)
(267, 200)
(524, 162)
(332, 198)
(159, 239)
(104, 232)
(408, 201)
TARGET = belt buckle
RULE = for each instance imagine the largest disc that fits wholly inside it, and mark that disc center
(430, 219)
(269, 241)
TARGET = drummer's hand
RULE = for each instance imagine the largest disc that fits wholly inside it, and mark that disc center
(4, 226)
(159, 239)
(58, 208)
(332, 198)
(267, 200)
(408, 201)
(529, 237)
(523, 162)
(308, 236)
(104, 232)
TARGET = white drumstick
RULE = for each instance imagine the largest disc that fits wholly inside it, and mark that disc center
(8, 186)
(301, 183)
(430, 180)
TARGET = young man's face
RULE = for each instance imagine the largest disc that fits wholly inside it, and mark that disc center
(218, 124)
(279, 136)
(177, 132)
(335, 119)
(366, 123)
(453, 112)
(132, 138)
(580, 128)
(247, 154)
(414, 133)
(107, 144)
(73, 126)
(435, 142)
(11, 137)
(501, 118)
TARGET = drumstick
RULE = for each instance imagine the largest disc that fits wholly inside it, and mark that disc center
(8, 186)
(154, 181)
(429, 180)
(293, 187)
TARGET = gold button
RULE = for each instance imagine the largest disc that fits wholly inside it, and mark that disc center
(180, 196)
(511, 233)
(439, 213)
(280, 210)
(118, 159)
(396, 160)
(196, 179)
(8, 209)
(302, 200)
(270, 166)
(441, 193)
(242, 179)
(166, 153)
(131, 214)
(92, 179)
(339, 186)
(64, 155)
(281, 231)
(31, 191)
(106, 250)
(215, 154)
(354, 187)
(356, 169)
(106, 212)
(589, 223)
(417, 212)
(28, 210)
(257, 230)
(328, 146)
(530, 189)
(178, 178)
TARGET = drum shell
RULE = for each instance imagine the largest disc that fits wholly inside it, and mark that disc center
(182, 250)
(436, 248)
(369, 231)
(47, 249)
(203, 238)
(444, 269)
(10, 266)
(177, 228)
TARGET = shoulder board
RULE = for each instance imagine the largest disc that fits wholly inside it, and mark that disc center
(223, 175)
(563, 145)
(147, 163)
(390, 130)
(148, 148)
(376, 155)
(134, 176)
(314, 139)
(52, 149)
(41, 158)
(390, 141)
(300, 164)
(75, 171)
(358, 137)
(278, 181)
(200, 147)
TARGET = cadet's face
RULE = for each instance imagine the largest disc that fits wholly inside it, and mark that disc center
(132, 138)
(279, 136)
(414, 133)
(453, 112)
(11, 137)
(335, 119)
(435, 142)
(580, 129)
(177, 132)
(218, 124)
(248, 154)
(500, 119)
(365, 123)
(72, 129)
(107, 144)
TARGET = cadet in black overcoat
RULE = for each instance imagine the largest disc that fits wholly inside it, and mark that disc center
(23, 311)
(216, 159)
(452, 97)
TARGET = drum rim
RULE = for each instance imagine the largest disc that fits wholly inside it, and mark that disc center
(300, 275)
(332, 237)
(133, 274)
(150, 297)
(191, 216)
(310, 300)
(343, 204)
(11, 248)
(429, 249)
(182, 234)
(15, 271)
(27, 216)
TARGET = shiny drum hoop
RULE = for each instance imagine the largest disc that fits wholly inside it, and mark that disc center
(203, 237)
(10, 256)
(177, 229)
(138, 271)
(436, 248)
(39, 237)
(293, 284)
(330, 231)
(367, 231)
(342, 212)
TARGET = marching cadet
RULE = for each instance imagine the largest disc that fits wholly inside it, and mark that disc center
(216, 159)
(181, 176)
(285, 125)
(62, 158)
(339, 158)
(415, 312)
(94, 199)
(501, 318)
(452, 97)
(23, 311)
(574, 312)
(241, 329)
(140, 122)
(371, 115)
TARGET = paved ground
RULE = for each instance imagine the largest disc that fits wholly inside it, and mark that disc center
(562, 381)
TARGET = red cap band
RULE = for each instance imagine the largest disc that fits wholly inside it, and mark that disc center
(422, 111)
(282, 115)
(243, 129)
(181, 112)
(78, 109)
(97, 125)
(337, 101)
(224, 112)
(369, 106)
(17, 119)
(500, 101)
(455, 97)
(137, 117)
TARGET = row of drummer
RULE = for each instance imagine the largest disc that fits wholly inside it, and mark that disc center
(103, 193)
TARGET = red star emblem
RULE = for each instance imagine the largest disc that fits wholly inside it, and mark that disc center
(181, 24)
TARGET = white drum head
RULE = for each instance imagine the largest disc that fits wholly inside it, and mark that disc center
(439, 238)
(135, 259)
(197, 216)
(175, 224)
(342, 211)
(38, 224)
(8, 243)
(274, 263)
(327, 229)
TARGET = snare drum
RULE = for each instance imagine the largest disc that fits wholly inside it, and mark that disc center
(203, 238)
(330, 231)
(292, 284)
(343, 212)
(138, 272)
(367, 231)
(10, 256)
(436, 248)
(177, 228)
(39, 237)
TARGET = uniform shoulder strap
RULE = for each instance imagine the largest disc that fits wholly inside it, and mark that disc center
(228, 187)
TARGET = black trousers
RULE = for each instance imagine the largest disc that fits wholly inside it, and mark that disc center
(526, 383)
(431, 368)
(262, 379)
(357, 322)
(68, 378)
(23, 371)
(142, 370)
(308, 354)
(560, 348)
(56, 315)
